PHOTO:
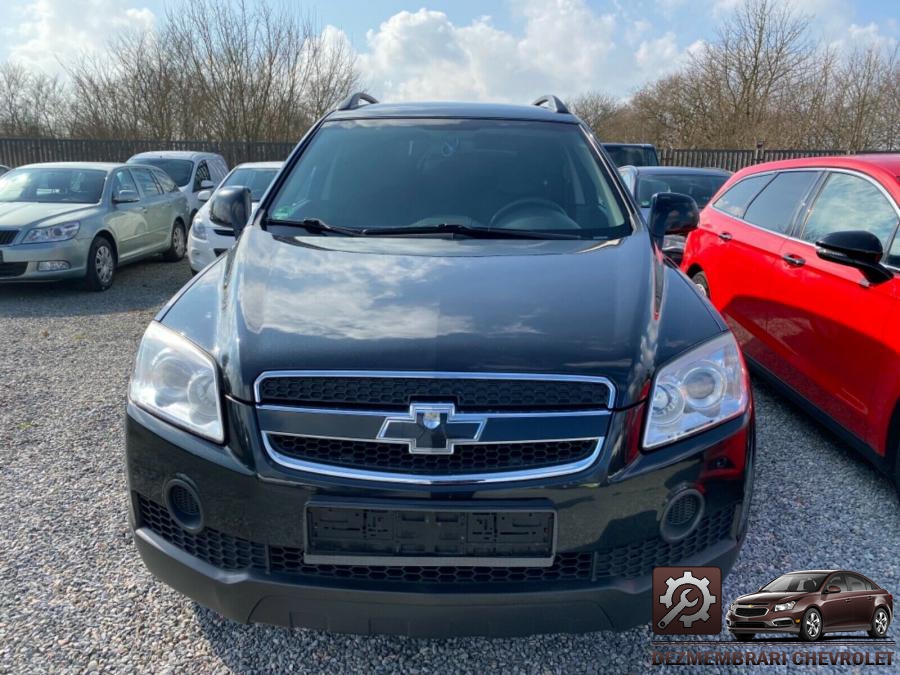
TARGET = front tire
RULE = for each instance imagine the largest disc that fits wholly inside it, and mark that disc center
(101, 265)
(177, 243)
(880, 623)
(701, 282)
(744, 637)
(811, 625)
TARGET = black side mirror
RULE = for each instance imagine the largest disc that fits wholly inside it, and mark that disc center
(231, 206)
(855, 248)
(672, 213)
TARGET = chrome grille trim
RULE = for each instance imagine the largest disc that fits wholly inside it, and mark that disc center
(425, 479)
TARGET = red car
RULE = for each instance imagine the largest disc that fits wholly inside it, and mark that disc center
(802, 258)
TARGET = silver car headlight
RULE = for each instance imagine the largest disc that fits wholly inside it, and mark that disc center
(61, 232)
(786, 607)
(697, 390)
(176, 380)
(198, 228)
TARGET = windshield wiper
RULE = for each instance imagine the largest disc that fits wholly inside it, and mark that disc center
(465, 230)
(316, 225)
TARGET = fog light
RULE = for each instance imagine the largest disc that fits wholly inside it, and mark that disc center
(183, 504)
(53, 266)
(681, 515)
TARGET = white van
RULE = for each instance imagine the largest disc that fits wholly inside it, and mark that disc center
(192, 171)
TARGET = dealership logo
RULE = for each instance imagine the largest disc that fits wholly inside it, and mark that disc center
(432, 428)
(687, 601)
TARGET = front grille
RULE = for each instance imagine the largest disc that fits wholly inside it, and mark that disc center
(750, 611)
(466, 458)
(469, 395)
(632, 560)
(749, 624)
(12, 269)
(6, 236)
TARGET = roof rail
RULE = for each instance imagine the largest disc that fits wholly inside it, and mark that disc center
(557, 105)
(352, 102)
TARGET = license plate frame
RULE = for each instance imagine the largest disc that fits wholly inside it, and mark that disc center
(429, 534)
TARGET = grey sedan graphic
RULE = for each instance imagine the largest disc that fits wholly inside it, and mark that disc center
(82, 220)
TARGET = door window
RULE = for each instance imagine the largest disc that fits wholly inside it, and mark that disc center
(838, 580)
(849, 202)
(776, 206)
(856, 583)
(148, 184)
(165, 181)
(124, 183)
(893, 256)
(735, 200)
(202, 175)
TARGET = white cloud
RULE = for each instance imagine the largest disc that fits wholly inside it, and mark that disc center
(564, 47)
(50, 31)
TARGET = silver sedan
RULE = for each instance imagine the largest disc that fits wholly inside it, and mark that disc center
(81, 220)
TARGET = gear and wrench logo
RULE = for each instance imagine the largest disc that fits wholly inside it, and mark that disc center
(685, 605)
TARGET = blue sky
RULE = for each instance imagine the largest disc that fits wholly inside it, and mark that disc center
(493, 49)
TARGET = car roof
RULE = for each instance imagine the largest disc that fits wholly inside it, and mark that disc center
(889, 162)
(102, 166)
(173, 154)
(815, 572)
(680, 170)
(616, 144)
(259, 165)
(454, 109)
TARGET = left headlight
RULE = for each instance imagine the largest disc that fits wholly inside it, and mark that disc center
(178, 381)
(698, 390)
(52, 233)
(785, 607)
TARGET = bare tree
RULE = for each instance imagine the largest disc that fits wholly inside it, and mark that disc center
(30, 102)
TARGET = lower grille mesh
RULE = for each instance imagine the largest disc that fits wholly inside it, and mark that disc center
(466, 458)
(632, 560)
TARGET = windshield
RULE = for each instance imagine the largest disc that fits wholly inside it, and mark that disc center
(52, 186)
(802, 583)
(632, 155)
(700, 186)
(258, 180)
(179, 170)
(534, 176)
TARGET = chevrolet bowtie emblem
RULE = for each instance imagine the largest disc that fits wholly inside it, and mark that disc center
(432, 428)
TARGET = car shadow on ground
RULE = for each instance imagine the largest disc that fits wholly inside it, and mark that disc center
(144, 285)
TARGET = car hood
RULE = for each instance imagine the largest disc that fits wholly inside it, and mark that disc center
(771, 598)
(17, 214)
(610, 309)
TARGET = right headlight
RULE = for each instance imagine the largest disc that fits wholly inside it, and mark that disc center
(697, 390)
(176, 380)
(198, 227)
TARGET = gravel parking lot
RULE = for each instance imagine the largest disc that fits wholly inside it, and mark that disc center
(75, 597)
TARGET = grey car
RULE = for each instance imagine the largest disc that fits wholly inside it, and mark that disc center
(81, 220)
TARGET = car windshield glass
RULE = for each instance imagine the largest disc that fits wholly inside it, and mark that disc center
(179, 170)
(632, 155)
(801, 583)
(255, 179)
(487, 174)
(700, 186)
(50, 185)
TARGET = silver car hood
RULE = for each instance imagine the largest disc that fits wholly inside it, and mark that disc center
(17, 214)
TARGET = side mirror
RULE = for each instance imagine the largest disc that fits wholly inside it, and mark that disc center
(855, 248)
(672, 213)
(833, 589)
(125, 197)
(231, 207)
(207, 185)
(204, 195)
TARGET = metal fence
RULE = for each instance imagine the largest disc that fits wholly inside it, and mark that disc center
(19, 151)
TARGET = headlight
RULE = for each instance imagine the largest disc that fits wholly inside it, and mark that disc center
(785, 607)
(698, 390)
(175, 379)
(52, 233)
(199, 228)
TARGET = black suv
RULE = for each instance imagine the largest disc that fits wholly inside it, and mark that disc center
(445, 383)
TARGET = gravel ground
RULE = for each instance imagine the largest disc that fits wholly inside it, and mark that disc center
(75, 597)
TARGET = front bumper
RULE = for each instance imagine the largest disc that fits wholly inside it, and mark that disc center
(20, 262)
(202, 252)
(247, 564)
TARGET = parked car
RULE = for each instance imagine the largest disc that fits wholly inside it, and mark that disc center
(442, 384)
(632, 154)
(811, 603)
(645, 181)
(802, 257)
(72, 220)
(193, 172)
(3, 169)
(208, 240)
